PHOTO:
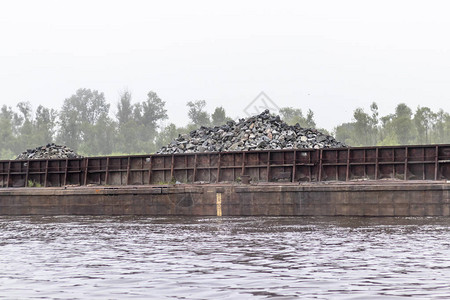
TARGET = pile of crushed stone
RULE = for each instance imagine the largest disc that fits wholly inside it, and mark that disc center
(49, 151)
(260, 132)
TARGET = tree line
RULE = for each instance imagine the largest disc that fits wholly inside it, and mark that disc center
(403, 127)
(85, 124)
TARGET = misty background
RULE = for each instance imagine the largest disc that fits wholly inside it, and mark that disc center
(324, 56)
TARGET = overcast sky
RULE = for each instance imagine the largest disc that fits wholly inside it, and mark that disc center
(329, 56)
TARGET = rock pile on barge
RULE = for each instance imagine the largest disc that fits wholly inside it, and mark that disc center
(50, 151)
(260, 132)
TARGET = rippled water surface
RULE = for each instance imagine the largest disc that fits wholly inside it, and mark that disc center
(224, 258)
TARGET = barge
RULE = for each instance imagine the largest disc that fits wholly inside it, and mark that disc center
(358, 181)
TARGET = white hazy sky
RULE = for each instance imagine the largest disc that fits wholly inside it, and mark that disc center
(329, 56)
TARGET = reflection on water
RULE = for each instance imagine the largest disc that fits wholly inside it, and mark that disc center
(232, 258)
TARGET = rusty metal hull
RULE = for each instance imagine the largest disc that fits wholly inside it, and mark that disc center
(425, 162)
(375, 198)
(364, 181)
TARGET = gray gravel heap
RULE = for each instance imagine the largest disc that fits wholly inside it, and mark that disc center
(50, 151)
(260, 132)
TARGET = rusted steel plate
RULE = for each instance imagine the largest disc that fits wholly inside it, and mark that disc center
(427, 162)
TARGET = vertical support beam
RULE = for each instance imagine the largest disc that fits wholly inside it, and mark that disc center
(234, 165)
(294, 166)
(436, 163)
(347, 170)
(107, 171)
(309, 153)
(57, 173)
(143, 171)
(365, 161)
(28, 173)
(195, 168)
(268, 166)
(164, 169)
(320, 164)
(3, 181)
(337, 164)
(405, 175)
(60, 177)
(128, 170)
(186, 166)
(100, 171)
(376, 163)
(209, 168)
(393, 163)
(9, 174)
(46, 173)
(150, 170)
(80, 166)
(243, 164)
(172, 163)
(66, 171)
(218, 169)
(120, 171)
(423, 164)
(86, 164)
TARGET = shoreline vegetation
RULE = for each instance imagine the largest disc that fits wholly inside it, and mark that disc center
(84, 124)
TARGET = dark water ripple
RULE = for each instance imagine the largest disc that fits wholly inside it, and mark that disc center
(224, 258)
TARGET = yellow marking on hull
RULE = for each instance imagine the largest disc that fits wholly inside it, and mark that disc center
(219, 204)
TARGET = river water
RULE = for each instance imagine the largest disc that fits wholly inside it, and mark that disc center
(70, 257)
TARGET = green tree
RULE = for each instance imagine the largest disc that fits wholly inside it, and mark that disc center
(345, 133)
(44, 125)
(403, 124)
(21, 131)
(99, 138)
(138, 124)
(388, 135)
(124, 108)
(424, 120)
(197, 114)
(362, 134)
(7, 139)
(374, 123)
(398, 128)
(24, 127)
(294, 116)
(363, 131)
(441, 130)
(81, 116)
(219, 117)
(153, 111)
(148, 116)
(310, 123)
(127, 125)
(167, 134)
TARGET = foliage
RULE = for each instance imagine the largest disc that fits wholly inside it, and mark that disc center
(138, 124)
(84, 124)
(167, 134)
(32, 183)
(294, 116)
(197, 114)
(219, 117)
(400, 128)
